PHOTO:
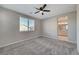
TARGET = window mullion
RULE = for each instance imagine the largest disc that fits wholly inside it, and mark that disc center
(28, 24)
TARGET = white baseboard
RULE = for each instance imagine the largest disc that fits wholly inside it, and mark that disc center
(50, 37)
(72, 42)
(57, 39)
(19, 41)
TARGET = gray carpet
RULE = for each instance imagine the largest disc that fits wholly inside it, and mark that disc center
(44, 46)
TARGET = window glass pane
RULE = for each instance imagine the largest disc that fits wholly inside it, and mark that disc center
(23, 24)
(31, 25)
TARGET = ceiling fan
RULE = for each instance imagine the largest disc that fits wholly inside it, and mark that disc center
(42, 9)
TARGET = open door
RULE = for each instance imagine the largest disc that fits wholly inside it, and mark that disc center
(62, 23)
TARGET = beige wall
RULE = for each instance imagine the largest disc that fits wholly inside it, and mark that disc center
(50, 26)
(78, 27)
(72, 27)
(9, 27)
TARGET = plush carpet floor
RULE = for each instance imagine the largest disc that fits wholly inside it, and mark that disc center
(44, 46)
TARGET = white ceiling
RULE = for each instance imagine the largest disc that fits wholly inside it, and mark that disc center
(29, 9)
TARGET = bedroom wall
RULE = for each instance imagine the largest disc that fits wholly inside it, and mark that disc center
(72, 27)
(78, 28)
(9, 27)
(50, 26)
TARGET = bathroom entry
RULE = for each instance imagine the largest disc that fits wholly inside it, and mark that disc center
(62, 23)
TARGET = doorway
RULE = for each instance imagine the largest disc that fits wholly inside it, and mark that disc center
(62, 23)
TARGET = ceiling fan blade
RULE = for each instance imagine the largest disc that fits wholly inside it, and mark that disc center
(44, 6)
(46, 10)
(37, 12)
(37, 8)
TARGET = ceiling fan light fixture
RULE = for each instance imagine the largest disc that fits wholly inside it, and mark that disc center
(41, 12)
(42, 9)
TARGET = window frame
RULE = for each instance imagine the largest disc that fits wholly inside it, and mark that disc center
(27, 24)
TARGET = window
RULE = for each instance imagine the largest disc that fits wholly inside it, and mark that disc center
(26, 24)
(31, 25)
